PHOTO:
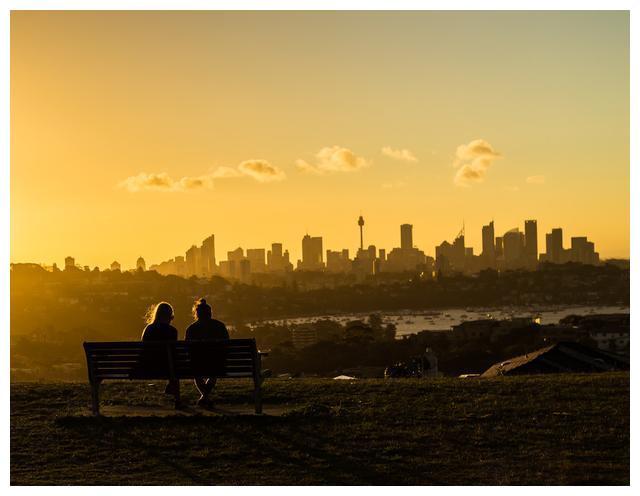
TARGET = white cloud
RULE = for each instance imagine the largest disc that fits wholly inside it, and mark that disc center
(535, 180)
(473, 160)
(163, 182)
(333, 159)
(225, 172)
(259, 170)
(403, 155)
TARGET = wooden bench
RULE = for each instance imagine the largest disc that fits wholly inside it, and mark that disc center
(233, 358)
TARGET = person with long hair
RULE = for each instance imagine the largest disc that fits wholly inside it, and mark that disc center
(205, 328)
(159, 328)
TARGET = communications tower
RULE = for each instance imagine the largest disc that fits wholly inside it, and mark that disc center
(361, 224)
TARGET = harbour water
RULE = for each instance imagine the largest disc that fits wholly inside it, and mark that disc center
(412, 321)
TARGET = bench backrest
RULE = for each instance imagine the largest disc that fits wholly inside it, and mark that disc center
(164, 360)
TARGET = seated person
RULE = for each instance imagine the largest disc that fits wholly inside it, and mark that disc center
(159, 328)
(205, 328)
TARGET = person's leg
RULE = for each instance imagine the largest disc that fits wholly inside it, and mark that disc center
(173, 387)
(204, 387)
(211, 384)
(201, 385)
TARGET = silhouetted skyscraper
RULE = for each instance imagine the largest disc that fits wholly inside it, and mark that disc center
(208, 255)
(311, 253)
(276, 249)
(277, 261)
(256, 258)
(555, 249)
(338, 261)
(406, 236)
(141, 264)
(69, 263)
(513, 245)
(488, 245)
(583, 251)
(531, 241)
(192, 257)
(499, 247)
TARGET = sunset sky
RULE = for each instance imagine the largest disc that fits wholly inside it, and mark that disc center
(143, 133)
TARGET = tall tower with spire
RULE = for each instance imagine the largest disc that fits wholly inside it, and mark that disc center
(361, 224)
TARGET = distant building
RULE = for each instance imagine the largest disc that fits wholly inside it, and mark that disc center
(611, 332)
(277, 261)
(514, 249)
(338, 261)
(115, 266)
(555, 250)
(236, 255)
(406, 258)
(192, 261)
(237, 266)
(69, 263)
(406, 236)
(256, 257)
(365, 262)
(141, 264)
(311, 254)
(499, 247)
(488, 246)
(583, 251)
(244, 270)
(451, 257)
(208, 256)
(531, 242)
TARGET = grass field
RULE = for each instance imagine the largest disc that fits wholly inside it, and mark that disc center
(563, 429)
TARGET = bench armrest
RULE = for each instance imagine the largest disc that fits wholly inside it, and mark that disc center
(264, 353)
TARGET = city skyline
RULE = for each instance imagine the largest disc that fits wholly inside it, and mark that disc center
(512, 250)
(126, 140)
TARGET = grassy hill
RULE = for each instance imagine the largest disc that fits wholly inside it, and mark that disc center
(563, 429)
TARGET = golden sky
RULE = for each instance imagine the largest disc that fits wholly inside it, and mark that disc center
(141, 133)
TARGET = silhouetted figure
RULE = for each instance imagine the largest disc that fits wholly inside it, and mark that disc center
(205, 328)
(159, 328)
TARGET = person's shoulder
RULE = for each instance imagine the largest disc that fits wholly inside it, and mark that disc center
(218, 323)
(190, 329)
(149, 329)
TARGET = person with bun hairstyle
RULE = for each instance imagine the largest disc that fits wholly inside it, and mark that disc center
(205, 328)
(159, 328)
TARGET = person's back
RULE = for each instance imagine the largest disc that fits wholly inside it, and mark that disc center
(159, 328)
(206, 330)
(159, 331)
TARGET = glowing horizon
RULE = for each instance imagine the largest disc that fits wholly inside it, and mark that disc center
(141, 133)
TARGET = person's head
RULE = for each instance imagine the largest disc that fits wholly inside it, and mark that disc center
(160, 313)
(201, 310)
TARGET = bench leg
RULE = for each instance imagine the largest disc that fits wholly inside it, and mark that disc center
(257, 397)
(95, 399)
